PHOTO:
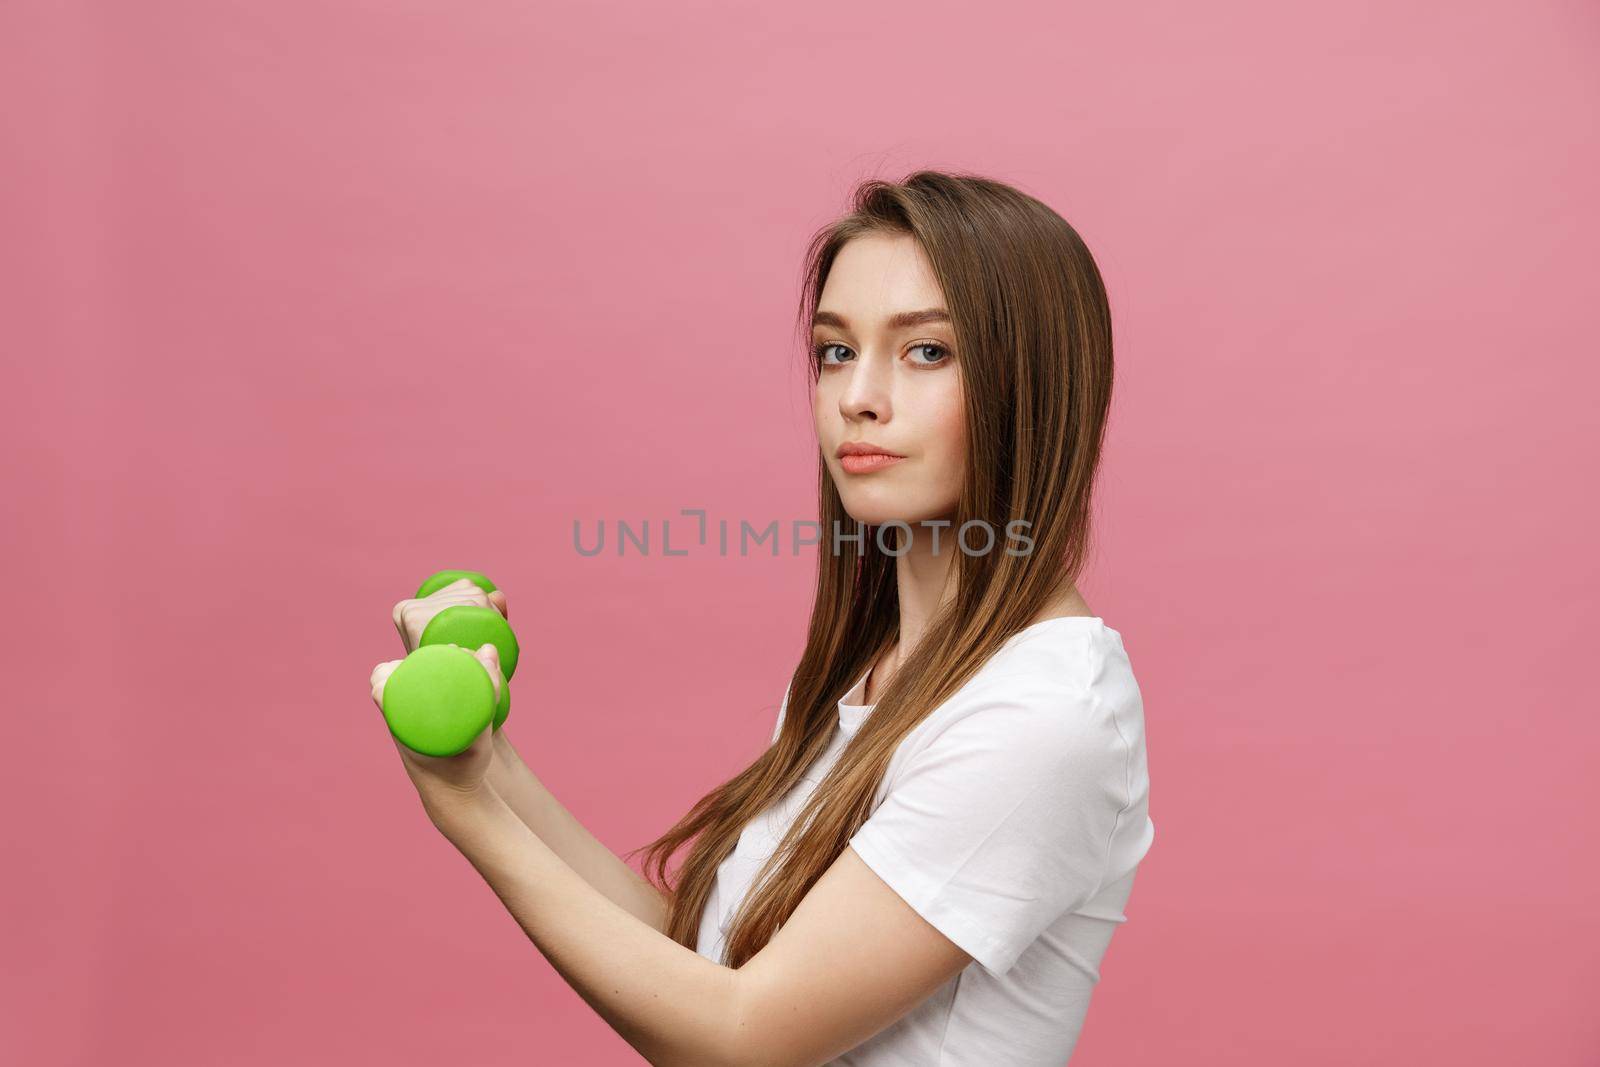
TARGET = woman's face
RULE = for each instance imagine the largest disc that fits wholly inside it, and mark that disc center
(888, 377)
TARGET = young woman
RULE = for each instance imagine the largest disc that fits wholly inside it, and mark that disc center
(927, 863)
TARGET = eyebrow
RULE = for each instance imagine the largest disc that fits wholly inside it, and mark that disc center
(898, 321)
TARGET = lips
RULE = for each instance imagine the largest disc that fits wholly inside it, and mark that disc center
(862, 462)
(859, 457)
(862, 448)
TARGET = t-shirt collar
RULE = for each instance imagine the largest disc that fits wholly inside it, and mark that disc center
(851, 711)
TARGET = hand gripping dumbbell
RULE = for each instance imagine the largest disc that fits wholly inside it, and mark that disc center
(439, 698)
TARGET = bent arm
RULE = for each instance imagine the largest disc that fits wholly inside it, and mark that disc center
(674, 1006)
(569, 839)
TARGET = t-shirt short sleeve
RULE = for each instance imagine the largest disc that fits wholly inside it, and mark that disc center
(1003, 821)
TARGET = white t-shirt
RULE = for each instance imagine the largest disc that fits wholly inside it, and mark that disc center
(1012, 819)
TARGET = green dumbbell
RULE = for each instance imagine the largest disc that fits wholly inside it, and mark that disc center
(438, 581)
(444, 698)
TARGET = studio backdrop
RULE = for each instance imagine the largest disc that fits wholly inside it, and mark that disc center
(303, 301)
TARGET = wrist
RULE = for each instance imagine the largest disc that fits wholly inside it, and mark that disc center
(451, 807)
(504, 751)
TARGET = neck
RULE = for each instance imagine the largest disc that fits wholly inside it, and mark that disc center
(925, 581)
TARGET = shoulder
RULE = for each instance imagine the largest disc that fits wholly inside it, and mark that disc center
(1055, 708)
(1066, 682)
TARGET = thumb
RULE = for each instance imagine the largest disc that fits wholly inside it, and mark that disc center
(498, 600)
(489, 656)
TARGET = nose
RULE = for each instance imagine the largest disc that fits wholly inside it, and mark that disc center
(866, 393)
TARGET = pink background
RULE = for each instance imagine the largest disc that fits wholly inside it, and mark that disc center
(305, 300)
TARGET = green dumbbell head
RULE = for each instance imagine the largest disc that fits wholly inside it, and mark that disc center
(438, 700)
(504, 707)
(438, 581)
(469, 626)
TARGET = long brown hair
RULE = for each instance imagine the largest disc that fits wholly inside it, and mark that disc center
(1033, 345)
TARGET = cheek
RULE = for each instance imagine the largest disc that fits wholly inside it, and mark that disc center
(822, 401)
(948, 426)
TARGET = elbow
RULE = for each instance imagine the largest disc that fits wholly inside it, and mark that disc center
(743, 1040)
(722, 1037)
(732, 1042)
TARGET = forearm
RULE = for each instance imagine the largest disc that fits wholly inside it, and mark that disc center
(569, 839)
(671, 1004)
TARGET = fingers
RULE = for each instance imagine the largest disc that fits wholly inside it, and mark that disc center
(400, 623)
(489, 656)
(465, 591)
(412, 616)
(380, 675)
(460, 591)
(497, 600)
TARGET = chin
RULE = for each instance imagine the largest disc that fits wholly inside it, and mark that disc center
(876, 509)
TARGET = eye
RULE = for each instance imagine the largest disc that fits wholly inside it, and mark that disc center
(942, 354)
(821, 352)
